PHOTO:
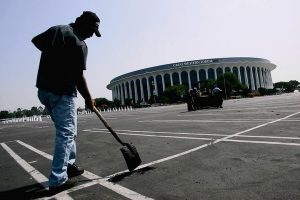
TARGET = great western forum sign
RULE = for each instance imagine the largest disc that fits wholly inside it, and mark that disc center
(195, 62)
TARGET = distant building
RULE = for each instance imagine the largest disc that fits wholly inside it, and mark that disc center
(141, 84)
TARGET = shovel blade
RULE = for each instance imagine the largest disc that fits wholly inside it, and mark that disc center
(131, 156)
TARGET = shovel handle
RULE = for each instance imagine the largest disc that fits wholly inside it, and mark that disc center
(107, 126)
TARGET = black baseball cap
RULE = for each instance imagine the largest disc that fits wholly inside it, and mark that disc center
(91, 19)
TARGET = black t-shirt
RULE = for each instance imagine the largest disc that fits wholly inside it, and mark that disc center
(62, 60)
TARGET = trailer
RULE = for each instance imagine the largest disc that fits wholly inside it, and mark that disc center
(199, 102)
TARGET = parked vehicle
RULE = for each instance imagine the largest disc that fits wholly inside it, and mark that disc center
(199, 102)
(208, 101)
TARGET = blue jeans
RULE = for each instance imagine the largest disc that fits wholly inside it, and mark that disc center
(62, 109)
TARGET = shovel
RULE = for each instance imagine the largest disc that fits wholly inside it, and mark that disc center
(129, 151)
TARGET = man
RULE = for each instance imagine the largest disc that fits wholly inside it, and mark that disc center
(216, 92)
(60, 75)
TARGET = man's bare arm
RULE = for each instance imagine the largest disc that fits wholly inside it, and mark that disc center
(84, 91)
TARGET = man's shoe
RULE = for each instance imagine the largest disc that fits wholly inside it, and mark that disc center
(74, 170)
(67, 185)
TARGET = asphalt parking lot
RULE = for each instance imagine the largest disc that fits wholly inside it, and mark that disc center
(250, 149)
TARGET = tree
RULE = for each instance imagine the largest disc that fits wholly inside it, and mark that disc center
(231, 83)
(41, 110)
(100, 102)
(4, 114)
(128, 102)
(263, 91)
(207, 84)
(27, 113)
(294, 84)
(45, 111)
(175, 93)
(117, 103)
(34, 111)
(151, 99)
(18, 113)
(165, 99)
(286, 86)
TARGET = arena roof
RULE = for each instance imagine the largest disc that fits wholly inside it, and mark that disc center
(192, 63)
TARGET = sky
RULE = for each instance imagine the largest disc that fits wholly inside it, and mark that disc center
(137, 34)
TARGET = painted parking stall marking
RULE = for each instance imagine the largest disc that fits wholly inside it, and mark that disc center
(130, 194)
(43, 180)
(208, 144)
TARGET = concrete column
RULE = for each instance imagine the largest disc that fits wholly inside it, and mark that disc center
(122, 95)
(252, 79)
(215, 71)
(163, 82)
(118, 92)
(130, 90)
(206, 73)
(155, 85)
(180, 81)
(239, 74)
(114, 93)
(135, 91)
(246, 77)
(271, 79)
(148, 87)
(266, 78)
(171, 78)
(142, 89)
(125, 88)
(261, 78)
(197, 71)
(257, 78)
(189, 79)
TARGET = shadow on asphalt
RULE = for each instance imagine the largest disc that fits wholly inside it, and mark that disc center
(121, 176)
(36, 191)
(203, 108)
(27, 192)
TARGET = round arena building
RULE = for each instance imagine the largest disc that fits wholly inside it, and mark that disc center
(140, 85)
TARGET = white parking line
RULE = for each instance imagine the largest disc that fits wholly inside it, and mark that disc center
(144, 135)
(39, 177)
(265, 107)
(130, 194)
(262, 142)
(203, 146)
(122, 190)
(197, 114)
(197, 121)
(215, 121)
(65, 193)
(156, 132)
(128, 132)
